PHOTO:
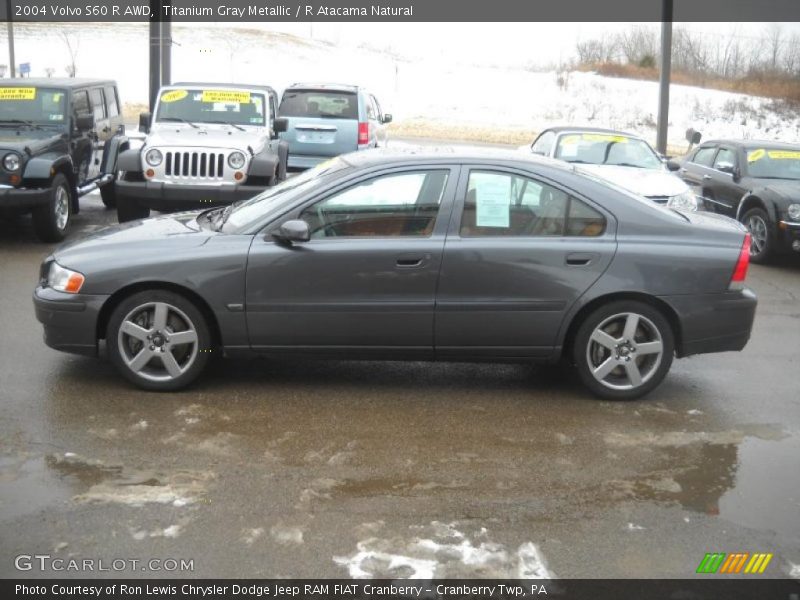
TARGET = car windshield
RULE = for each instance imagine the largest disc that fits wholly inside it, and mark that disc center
(773, 163)
(319, 104)
(606, 149)
(245, 213)
(234, 107)
(33, 105)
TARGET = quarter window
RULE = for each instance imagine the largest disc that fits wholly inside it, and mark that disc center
(704, 156)
(502, 204)
(401, 204)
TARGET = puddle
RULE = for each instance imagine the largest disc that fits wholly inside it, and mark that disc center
(29, 486)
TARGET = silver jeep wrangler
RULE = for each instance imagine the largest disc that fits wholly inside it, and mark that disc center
(207, 145)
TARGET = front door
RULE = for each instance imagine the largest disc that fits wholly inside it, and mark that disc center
(366, 280)
(517, 256)
(724, 183)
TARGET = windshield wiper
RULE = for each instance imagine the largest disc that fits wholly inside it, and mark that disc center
(30, 124)
(624, 164)
(178, 119)
(226, 123)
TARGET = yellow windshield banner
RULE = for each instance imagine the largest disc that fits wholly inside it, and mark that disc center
(784, 154)
(226, 96)
(174, 95)
(17, 93)
(594, 137)
(756, 155)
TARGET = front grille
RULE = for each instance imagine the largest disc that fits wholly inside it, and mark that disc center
(209, 165)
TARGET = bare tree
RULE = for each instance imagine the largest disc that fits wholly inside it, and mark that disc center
(73, 45)
(774, 38)
(638, 44)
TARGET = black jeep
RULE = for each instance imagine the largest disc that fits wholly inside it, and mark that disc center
(59, 140)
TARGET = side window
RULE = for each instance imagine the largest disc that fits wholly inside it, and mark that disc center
(399, 204)
(704, 156)
(112, 104)
(544, 143)
(583, 220)
(725, 160)
(80, 103)
(377, 107)
(98, 103)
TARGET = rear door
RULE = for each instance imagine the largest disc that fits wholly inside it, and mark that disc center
(519, 252)
(320, 122)
(102, 131)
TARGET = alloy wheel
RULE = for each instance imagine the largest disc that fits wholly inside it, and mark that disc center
(758, 234)
(61, 208)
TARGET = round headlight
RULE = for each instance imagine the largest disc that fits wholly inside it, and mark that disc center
(685, 201)
(236, 160)
(153, 157)
(11, 162)
(794, 212)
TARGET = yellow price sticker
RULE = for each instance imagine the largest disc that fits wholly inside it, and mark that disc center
(784, 154)
(174, 95)
(756, 155)
(604, 137)
(17, 93)
(226, 96)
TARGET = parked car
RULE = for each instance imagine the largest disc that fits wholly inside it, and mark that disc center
(410, 255)
(326, 120)
(207, 145)
(59, 140)
(622, 158)
(757, 183)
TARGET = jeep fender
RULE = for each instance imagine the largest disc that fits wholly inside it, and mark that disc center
(45, 166)
(264, 164)
(111, 152)
(129, 160)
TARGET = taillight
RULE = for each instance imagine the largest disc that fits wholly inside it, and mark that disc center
(363, 133)
(740, 271)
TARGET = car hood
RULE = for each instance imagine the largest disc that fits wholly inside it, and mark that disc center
(34, 140)
(790, 190)
(644, 182)
(208, 136)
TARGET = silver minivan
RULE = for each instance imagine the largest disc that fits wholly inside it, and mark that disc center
(326, 119)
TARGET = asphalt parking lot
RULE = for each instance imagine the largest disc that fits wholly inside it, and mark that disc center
(335, 469)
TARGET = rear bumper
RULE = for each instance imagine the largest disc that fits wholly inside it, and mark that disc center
(171, 197)
(20, 198)
(69, 320)
(299, 161)
(714, 323)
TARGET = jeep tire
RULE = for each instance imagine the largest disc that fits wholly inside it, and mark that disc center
(51, 220)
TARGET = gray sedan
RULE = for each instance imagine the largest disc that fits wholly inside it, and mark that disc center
(410, 256)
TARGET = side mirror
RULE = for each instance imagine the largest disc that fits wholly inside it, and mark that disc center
(295, 230)
(387, 119)
(726, 168)
(145, 119)
(84, 121)
(280, 124)
(673, 165)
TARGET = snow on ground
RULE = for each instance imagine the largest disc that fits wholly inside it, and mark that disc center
(437, 89)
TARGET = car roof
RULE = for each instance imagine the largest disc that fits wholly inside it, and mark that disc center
(56, 82)
(748, 143)
(215, 85)
(334, 87)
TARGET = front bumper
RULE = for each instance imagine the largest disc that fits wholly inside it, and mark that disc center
(172, 197)
(788, 232)
(70, 320)
(21, 198)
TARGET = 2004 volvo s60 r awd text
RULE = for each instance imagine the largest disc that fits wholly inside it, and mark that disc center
(422, 255)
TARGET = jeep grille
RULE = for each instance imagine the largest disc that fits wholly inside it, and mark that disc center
(208, 165)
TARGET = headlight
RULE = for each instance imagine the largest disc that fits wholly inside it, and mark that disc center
(236, 160)
(64, 280)
(685, 201)
(153, 157)
(794, 212)
(11, 162)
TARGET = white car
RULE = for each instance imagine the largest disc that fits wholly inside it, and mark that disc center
(621, 158)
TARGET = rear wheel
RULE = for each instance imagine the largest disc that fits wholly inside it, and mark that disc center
(51, 220)
(129, 210)
(762, 236)
(623, 350)
(158, 340)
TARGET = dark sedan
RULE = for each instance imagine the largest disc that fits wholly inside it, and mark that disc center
(410, 255)
(757, 183)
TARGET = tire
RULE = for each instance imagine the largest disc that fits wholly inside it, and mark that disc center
(51, 220)
(602, 340)
(143, 332)
(108, 193)
(129, 210)
(762, 242)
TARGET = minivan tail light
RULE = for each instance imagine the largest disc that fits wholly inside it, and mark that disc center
(740, 271)
(363, 133)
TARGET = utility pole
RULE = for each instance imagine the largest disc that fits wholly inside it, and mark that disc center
(664, 75)
(11, 59)
(155, 51)
(166, 51)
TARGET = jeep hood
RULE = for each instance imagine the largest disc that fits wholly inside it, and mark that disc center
(207, 136)
(644, 182)
(33, 139)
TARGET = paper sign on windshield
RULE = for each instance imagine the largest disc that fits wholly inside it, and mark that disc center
(493, 200)
(756, 155)
(784, 154)
(174, 95)
(226, 96)
(17, 93)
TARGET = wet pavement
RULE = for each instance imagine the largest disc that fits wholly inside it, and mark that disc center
(290, 469)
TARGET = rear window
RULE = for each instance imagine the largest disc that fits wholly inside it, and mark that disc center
(319, 104)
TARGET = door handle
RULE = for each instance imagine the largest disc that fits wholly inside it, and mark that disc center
(706, 176)
(579, 259)
(411, 261)
(683, 169)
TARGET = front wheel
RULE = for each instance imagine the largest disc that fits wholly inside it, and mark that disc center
(623, 350)
(762, 237)
(51, 220)
(158, 340)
